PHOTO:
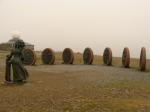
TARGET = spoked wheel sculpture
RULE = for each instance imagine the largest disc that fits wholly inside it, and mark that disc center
(126, 57)
(68, 56)
(88, 56)
(29, 57)
(107, 57)
(48, 56)
(142, 62)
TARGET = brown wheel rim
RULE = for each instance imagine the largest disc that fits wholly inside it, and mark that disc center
(68, 56)
(48, 56)
(88, 56)
(143, 59)
(29, 57)
(107, 56)
(126, 57)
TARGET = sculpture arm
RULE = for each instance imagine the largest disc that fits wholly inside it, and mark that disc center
(8, 57)
(22, 56)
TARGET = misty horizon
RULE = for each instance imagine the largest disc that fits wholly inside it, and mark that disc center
(78, 24)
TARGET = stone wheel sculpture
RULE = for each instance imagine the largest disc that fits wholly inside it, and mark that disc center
(126, 57)
(68, 56)
(142, 63)
(29, 57)
(107, 56)
(48, 56)
(88, 56)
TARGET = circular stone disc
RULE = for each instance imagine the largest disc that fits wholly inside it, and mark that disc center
(29, 57)
(48, 56)
(88, 56)
(126, 57)
(68, 56)
(142, 63)
(107, 56)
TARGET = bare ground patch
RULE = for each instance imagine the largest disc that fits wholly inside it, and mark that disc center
(78, 88)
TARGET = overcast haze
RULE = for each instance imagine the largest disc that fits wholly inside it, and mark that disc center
(78, 24)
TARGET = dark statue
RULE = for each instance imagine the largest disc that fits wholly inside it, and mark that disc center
(15, 59)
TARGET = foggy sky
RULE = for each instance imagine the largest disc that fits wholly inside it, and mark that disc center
(78, 24)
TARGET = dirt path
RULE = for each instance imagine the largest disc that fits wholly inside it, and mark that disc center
(78, 88)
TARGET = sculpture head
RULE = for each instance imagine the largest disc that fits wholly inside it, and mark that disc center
(19, 44)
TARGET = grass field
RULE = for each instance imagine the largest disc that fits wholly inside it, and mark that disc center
(98, 60)
(78, 87)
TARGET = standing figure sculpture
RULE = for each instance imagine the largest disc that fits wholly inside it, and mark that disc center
(15, 59)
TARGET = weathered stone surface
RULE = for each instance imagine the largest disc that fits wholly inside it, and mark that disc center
(29, 57)
(142, 62)
(126, 57)
(48, 56)
(88, 56)
(107, 56)
(68, 56)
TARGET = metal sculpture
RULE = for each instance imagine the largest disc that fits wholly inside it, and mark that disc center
(8, 69)
(48, 56)
(107, 56)
(126, 57)
(88, 56)
(29, 57)
(68, 56)
(15, 60)
(142, 62)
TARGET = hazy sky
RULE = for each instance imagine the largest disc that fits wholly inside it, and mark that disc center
(78, 24)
